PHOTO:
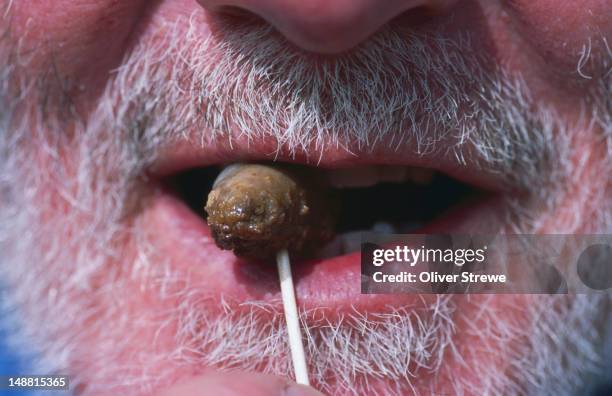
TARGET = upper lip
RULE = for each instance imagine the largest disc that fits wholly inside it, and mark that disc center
(185, 153)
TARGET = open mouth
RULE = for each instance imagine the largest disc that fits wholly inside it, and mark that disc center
(373, 198)
(383, 191)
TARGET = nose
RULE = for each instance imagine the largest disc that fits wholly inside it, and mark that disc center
(326, 26)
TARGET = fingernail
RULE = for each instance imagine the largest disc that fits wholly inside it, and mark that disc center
(301, 390)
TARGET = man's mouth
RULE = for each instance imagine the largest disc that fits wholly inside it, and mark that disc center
(387, 197)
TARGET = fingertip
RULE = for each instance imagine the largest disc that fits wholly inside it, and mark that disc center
(301, 390)
(238, 384)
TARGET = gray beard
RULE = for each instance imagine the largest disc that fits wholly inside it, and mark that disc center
(250, 85)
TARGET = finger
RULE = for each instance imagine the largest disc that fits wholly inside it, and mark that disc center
(239, 384)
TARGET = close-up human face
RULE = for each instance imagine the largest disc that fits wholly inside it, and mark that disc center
(400, 116)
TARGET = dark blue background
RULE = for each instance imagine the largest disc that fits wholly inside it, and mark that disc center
(9, 363)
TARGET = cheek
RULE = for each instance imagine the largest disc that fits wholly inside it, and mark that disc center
(80, 40)
(559, 29)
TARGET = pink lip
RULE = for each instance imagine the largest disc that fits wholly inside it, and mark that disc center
(184, 154)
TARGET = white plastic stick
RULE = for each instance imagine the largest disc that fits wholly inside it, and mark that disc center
(291, 317)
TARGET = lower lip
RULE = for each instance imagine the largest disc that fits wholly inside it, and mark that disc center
(331, 285)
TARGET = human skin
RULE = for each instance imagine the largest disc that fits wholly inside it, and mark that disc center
(82, 43)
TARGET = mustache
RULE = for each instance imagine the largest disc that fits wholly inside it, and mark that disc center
(400, 88)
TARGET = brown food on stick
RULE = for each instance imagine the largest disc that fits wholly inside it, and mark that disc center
(256, 210)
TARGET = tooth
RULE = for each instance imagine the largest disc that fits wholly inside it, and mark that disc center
(419, 175)
(352, 241)
(383, 228)
(408, 227)
(353, 177)
(368, 176)
(391, 174)
(332, 249)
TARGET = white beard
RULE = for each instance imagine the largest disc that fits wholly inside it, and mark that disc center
(56, 273)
